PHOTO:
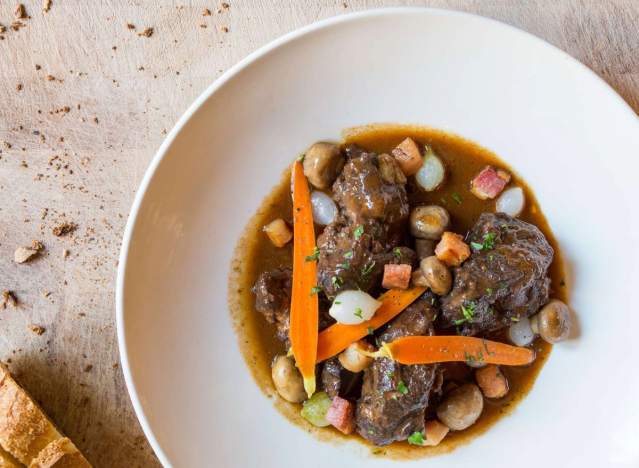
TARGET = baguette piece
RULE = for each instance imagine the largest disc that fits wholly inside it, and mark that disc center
(60, 454)
(8, 461)
(28, 434)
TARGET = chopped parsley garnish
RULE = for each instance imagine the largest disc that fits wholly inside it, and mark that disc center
(358, 288)
(490, 257)
(492, 354)
(444, 201)
(397, 253)
(504, 225)
(376, 342)
(514, 319)
(301, 157)
(358, 312)
(488, 244)
(417, 438)
(345, 266)
(468, 311)
(432, 301)
(401, 388)
(485, 345)
(348, 254)
(460, 321)
(410, 287)
(477, 245)
(480, 356)
(315, 255)
(333, 297)
(379, 392)
(489, 291)
(371, 431)
(383, 218)
(335, 280)
(456, 198)
(468, 357)
(498, 375)
(315, 290)
(377, 452)
(368, 269)
(501, 285)
(490, 310)
(338, 303)
(369, 330)
(394, 397)
(359, 231)
(390, 375)
(563, 283)
(434, 317)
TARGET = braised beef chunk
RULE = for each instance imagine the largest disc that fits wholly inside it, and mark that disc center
(354, 256)
(361, 192)
(273, 298)
(506, 278)
(337, 381)
(395, 396)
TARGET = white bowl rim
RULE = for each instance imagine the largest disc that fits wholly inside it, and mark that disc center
(202, 98)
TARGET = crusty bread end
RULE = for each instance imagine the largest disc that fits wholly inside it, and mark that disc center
(60, 454)
(7, 461)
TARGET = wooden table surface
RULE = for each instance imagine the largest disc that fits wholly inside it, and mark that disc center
(85, 104)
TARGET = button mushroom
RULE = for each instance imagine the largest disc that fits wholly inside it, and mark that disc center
(461, 407)
(288, 381)
(429, 222)
(552, 322)
(322, 163)
(436, 274)
(424, 248)
(353, 360)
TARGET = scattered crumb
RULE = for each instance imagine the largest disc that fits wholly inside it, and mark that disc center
(88, 368)
(46, 5)
(9, 298)
(206, 12)
(18, 13)
(36, 329)
(148, 32)
(63, 228)
(46, 293)
(130, 26)
(18, 87)
(115, 366)
(38, 67)
(65, 253)
(23, 254)
(95, 119)
(225, 29)
(5, 144)
(16, 25)
(36, 245)
(203, 25)
(2, 28)
(50, 78)
(225, 5)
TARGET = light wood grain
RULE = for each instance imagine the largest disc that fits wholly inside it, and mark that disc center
(138, 87)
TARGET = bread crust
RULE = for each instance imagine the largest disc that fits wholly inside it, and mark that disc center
(60, 454)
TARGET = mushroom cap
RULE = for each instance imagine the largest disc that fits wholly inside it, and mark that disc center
(288, 381)
(429, 222)
(437, 274)
(322, 163)
(461, 407)
(554, 322)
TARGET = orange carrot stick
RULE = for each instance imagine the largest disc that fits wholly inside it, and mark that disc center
(432, 349)
(336, 338)
(304, 305)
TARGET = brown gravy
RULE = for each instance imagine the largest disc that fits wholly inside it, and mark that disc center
(255, 253)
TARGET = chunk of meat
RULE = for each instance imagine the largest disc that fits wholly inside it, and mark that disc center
(353, 256)
(408, 156)
(395, 396)
(396, 276)
(336, 380)
(489, 182)
(361, 192)
(341, 414)
(452, 250)
(507, 279)
(273, 299)
(390, 171)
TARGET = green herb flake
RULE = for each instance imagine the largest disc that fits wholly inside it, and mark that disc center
(489, 241)
(432, 301)
(460, 321)
(504, 225)
(468, 311)
(444, 201)
(368, 269)
(492, 354)
(563, 283)
(384, 219)
(480, 356)
(358, 288)
(395, 397)
(359, 231)
(456, 198)
(379, 392)
(434, 317)
(390, 375)
(315, 290)
(315, 255)
(369, 330)
(348, 254)
(377, 452)
(376, 342)
(338, 303)
(514, 319)
(501, 285)
(401, 388)
(498, 375)
(490, 257)
(417, 438)
(371, 432)
(397, 253)
(491, 310)
(301, 157)
(358, 312)
(335, 283)
(477, 246)
(489, 291)
(345, 266)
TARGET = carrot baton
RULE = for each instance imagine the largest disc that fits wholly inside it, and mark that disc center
(304, 305)
(432, 349)
(337, 337)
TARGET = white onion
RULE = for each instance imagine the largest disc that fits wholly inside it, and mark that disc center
(521, 333)
(511, 202)
(476, 363)
(354, 307)
(323, 208)
(431, 174)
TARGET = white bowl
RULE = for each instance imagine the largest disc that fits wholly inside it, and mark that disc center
(555, 122)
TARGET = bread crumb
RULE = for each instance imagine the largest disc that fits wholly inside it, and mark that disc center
(46, 293)
(130, 26)
(65, 253)
(88, 368)
(63, 228)
(115, 365)
(225, 5)
(9, 298)
(203, 25)
(18, 87)
(5, 144)
(16, 25)
(18, 13)
(148, 32)
(23, 254)
(50, 78)
(206, 12)
(46, 5)
(95, 119)
(36, 329)
(36, 245)
(225, 29)
(38, 67)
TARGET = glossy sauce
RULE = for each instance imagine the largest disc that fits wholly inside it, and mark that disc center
(255, 254)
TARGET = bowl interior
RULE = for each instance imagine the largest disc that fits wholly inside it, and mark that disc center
(559, 126)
